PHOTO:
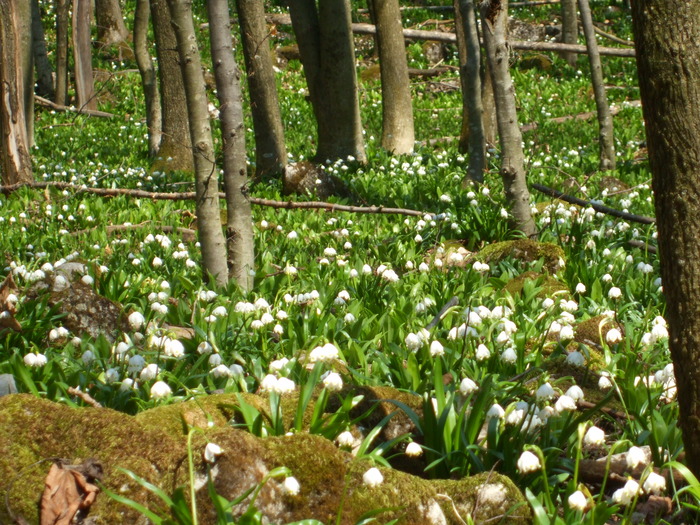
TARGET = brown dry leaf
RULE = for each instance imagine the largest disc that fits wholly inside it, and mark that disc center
(8, 307)
(66, 492)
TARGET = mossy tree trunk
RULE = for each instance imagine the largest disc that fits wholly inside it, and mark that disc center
(667, 42)
(149, 80)
(210, 234)
(82, 55)
(239, 225)
(111, 29)
(569, 29)
(62, 16)
(270, 150)
(494, 17)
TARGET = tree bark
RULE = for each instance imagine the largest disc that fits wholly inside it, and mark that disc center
(44, 72)
(667, 41)
(175, 151)
(606, 138)
(398, 134)
(14, 150)
(470, 76)
(211, 236)
(328, 55)
(26, 65)
(110, 22)
(239, 225)
(62, 9)
(82, 54)
(494, 17)
(149, 81)
(270, 150)
(569, 29)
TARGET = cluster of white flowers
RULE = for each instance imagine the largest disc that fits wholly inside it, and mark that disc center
(278, 385)
(323, 354)
(414, 341)
(302, 298)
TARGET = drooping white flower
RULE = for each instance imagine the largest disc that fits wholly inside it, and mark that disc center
(284, 386)
(496, 411)
(291, 486)
(566, 333)
(136, 321)
(413, 449)
(509, 356)
(565, 404)
(160, 390)
(211, 451)
(594, 437)
(528, 462)
(625, 495)
(220, 371)
(575, 392)
(635, 456)
(545, 392)
(614, 293)
(268, 383)
(149, 372)
(333, 382)
(111, 375)
(372, 477)
(413, 342)
(578, 501)
(613, 336)
(654, 484)
(436, 349)
(345, 439)
(467, 386)
(482, 353)
(575, 358)
(580, 288)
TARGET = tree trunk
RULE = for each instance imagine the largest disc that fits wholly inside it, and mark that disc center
(175, 151)
(569, 29)
(44, 72)
(494, 17)
(607, 141)
(328, 55)
(398, 135)
(270, 150)
(110, 22)
(14, 150)
(26, 65)
(667, 41)
(470, 75)
(239, 225)
(82, 54)
(62, 9)
(488, 105)
(149, 80)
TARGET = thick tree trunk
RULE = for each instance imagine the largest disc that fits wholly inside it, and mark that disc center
(14, 147)
(470, 75)
(239, 225)
(328, 55)
(270, 150)
(44, 72)
(62, 9)
(149, 81)
(494, 17)
(82, 54)
(488, 105)
(211, 236)
(569, 29)
(175, 151)
(110, 22)
(605, 124)
(667, 41)
(398, 134)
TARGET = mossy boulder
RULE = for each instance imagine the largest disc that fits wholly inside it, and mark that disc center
(549, 286)
(526, 250)
(154, 446)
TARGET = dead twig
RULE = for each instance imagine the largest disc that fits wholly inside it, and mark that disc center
(85, 397)
(83, 111)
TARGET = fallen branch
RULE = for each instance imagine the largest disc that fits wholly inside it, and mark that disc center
(597, 207)
(84, 396)
(190, 195)
(614, 110)
(188, 234)
(58, 107)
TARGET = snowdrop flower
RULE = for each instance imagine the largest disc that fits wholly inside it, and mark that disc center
(292, 235)
(291, 486)
(635, 457)
(333, 382)
(509, 356)
(149, 372)
(566, 333)
(88, 357)
(269, 383)
(578, 501)
(136, 364)
(345, 439)
(654, 484)
(205, 347)
(547, 303)
(281, 315)
(436, 349)
(324, 354)
(136, 321)
(219, 311)
(330, 252)
(502, 338)
(278, 364)
(160, 390)
(127, 384)
(211, 451)
(604, 382)
(482, 353)
(349, 318)
(544, 392)
(594, 437)
(220, 371)
(575, 392)
(423, 267)
(614, 293)
(366, 269)
(390, 275)
(625, 495)
(284, 386)
(111, 375)
(528, 462)
(372, 477)
(606, 278)
(576, 358)
(659, 331)
(613, 336)
(413, 342)
(35, 360)
(565, 404)
(496, 411)
(173, 348)
(568, 306)
(581, 289)
(467, 386)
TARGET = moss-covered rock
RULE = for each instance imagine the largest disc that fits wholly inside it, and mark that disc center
(526, 250)
(153, 445)
(548, 284)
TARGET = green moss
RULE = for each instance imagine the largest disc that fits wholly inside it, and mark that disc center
(595, 329)
(548, 284)
(525, 250)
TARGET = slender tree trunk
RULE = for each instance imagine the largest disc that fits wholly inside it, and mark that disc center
(494, 17)
(62, 9)
(607, 140)
(149, 81)
(82, 54)
(14, 147)
(110, 22)
(569, 29)
(470, 75)
(488, 105)
(667, 42)
(211, 236)
(239, 225)
(327, 53)
(398, 135)
(175, 151)
(270, 150)
(26, 65)
(44, 72)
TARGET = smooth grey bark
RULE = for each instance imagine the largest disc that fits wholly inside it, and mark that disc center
(605, 123)
(494, 17)
(270, 149)
(110, 22)
(398, 133)
(569, 29)
(209, 230)
(488, 107)
(470, 76)
(239, 225)
(667, 42)
(25, 59)
(62, 15)
(82, 55)
(44, 71)
(175, 150)
(328, 55)
(149, 80)
(15, 160)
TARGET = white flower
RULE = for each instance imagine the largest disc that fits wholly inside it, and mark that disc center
(528, 462)
(496, 411)
(215, 360)
(284, 386)
(291, 486)
(127, 384)
(594, 437)
(604, 382)
(625, 495)
(566, 333)
(349, 318)
(88, 357)
(578, 501)
(659, 331)
(292, 235)
(613, 336)
(366, 269)
(330, 252)
(580, 288)
(345, 439)
(635, 456)
(615, 293)
(413, 342)
(35, 360)
(324, 354)
(136, 320)
(576, 358)
(413, 449)
(436, 349)
(565, 404)
(211, 451)
(423, 267)
(654, 484)
(160, 389)
(545, 392)
(269, 383)
(372, 477)
(509, 356)
(467, 386)
(173, 348)
(576, 393)
(333, 382)
(547, 303)
(390, 275)
(111, 375)
(149, 372)
(221, 371)
(482, 353)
